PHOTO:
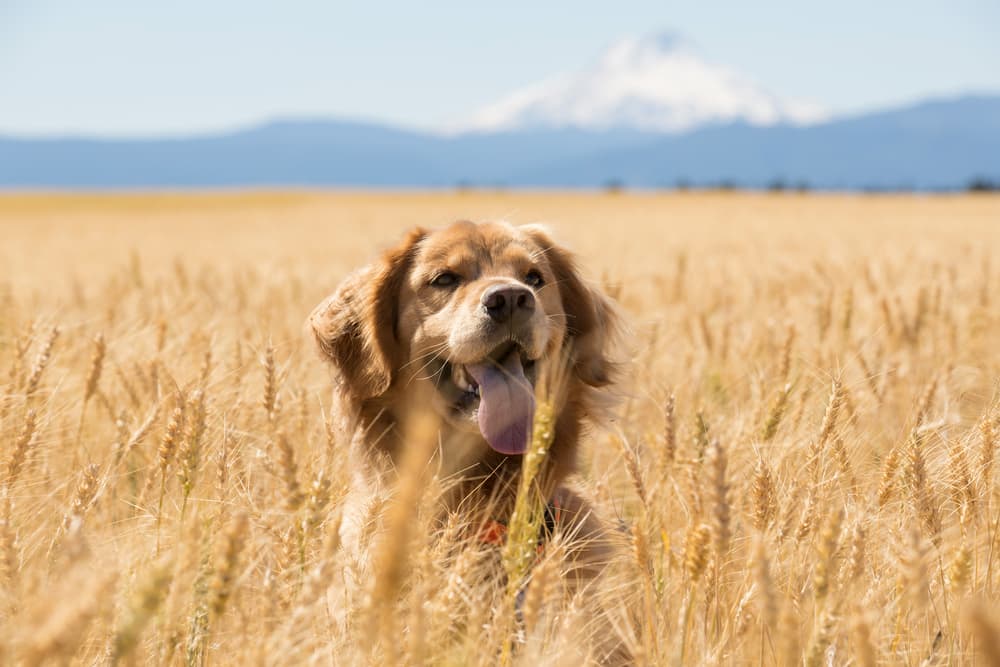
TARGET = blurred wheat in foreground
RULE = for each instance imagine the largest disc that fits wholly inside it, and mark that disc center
(805, 469)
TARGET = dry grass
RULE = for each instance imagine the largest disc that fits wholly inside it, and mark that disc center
(805, 466)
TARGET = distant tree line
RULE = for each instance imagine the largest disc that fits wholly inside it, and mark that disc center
(778, 184)
(976, 184)
(983, 184)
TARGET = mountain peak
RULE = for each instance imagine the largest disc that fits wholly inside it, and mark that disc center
(656, 82)
(656, 44)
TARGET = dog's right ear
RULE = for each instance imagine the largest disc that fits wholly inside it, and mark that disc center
(355, 327)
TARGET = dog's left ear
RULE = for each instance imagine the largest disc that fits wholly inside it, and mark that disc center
(592, 318)
(355, 327)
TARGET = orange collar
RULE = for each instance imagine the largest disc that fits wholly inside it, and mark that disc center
(494, 532)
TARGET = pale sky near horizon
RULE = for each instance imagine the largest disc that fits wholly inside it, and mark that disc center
(149, 68)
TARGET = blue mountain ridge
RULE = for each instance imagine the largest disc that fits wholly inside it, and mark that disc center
(934, 144)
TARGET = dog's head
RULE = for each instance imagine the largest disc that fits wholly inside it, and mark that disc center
(467, 315)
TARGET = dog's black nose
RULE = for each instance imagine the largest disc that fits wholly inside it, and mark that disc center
(506, 302)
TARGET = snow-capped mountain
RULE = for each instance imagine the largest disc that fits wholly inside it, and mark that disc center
(655, 83)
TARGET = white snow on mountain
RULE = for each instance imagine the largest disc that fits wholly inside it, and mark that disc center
(654, 83)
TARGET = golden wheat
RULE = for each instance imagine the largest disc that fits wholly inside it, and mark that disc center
(803, 470)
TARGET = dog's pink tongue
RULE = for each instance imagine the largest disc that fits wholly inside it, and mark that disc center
(506, 404)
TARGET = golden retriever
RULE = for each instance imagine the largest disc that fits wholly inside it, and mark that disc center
(461, 321)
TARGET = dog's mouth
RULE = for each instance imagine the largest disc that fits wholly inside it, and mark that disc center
(499, 391)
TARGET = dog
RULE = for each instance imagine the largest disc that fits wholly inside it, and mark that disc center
(461, 323)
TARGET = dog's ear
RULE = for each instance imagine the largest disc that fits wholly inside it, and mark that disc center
(355, 327)
(592, 319)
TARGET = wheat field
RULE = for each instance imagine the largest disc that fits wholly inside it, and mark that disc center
(803, 468)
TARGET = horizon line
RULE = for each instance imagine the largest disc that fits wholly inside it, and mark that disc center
(241, 127)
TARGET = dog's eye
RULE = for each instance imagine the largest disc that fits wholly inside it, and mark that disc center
(445, 279)
(534, 279)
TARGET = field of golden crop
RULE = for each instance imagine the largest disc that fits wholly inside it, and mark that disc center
(804, 468)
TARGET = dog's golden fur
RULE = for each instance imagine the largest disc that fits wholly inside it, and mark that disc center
(397, 336)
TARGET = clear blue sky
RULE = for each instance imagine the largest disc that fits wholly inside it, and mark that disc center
(152, 67)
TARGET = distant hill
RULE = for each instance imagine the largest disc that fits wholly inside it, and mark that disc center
(938, 144)
(934, 144)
